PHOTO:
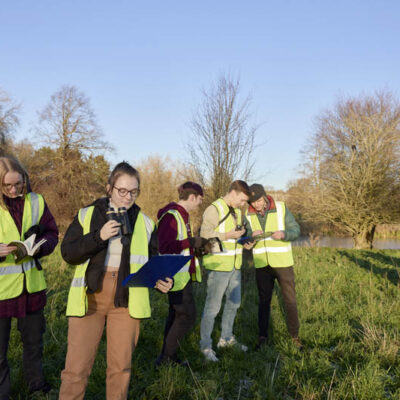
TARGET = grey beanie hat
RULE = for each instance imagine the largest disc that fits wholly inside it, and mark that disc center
(256, 191)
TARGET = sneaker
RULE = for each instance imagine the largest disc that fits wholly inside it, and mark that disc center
(297, 342)
(231, 342)
(209, 354)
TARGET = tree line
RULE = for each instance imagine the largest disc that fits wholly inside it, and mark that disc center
(349, 178)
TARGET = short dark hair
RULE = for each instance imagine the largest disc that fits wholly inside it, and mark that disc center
(188, 188)
(123, 168)
(239, 186)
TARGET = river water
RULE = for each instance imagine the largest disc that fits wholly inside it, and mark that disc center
(347, 242)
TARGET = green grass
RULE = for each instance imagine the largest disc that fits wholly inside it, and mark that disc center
(349, 314)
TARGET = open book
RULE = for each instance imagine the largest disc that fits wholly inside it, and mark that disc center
(26, 248)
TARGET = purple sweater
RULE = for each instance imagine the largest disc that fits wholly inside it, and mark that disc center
(29, 302)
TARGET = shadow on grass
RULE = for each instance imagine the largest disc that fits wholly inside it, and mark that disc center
(357, 329)
(370, 261)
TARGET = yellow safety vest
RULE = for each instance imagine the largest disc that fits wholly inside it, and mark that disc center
(139, 302)
(182, 277)
(275, 253)
(231, 256)
(12, 273)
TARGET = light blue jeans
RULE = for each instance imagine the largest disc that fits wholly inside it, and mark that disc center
(218, 284)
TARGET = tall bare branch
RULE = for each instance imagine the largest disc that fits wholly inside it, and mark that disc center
(9, 119)
(222, 143)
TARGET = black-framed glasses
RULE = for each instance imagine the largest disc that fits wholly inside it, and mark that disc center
(9, 186)
(123, 192)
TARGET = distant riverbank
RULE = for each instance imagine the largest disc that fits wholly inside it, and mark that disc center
(347, 242)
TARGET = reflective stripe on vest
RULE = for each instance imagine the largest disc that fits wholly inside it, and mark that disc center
(138, 303)
(35, 208)
(77, 304)
(149, 228)
(139, 300)
(182, 277)
(12, 273)
(78, 282)
(18, 268)
(276, 253)
(231, 256)
(138, 259)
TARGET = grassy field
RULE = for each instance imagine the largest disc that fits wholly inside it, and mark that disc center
(349, 314)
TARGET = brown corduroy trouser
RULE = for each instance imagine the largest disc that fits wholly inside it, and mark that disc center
(84, 335)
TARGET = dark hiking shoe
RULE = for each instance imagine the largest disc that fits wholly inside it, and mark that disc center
(164, 360)
(262, 342)
(42, 389)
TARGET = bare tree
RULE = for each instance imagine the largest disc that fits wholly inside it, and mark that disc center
(352, 166)
(68, 123)
(222, 142)
(9, 118)
(70, 163)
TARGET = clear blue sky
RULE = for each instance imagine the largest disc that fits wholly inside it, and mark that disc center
(143, 65)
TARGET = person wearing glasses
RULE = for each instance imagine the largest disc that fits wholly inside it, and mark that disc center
(22, 283)
(105, 251)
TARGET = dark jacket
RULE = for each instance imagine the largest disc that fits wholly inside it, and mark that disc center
(76, 248)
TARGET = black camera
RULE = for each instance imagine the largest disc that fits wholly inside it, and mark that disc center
(216, 243)
(121, 216)
(207, 248)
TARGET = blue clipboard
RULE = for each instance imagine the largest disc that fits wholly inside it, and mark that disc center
(264, 235)
(158, 267)
(243, 239)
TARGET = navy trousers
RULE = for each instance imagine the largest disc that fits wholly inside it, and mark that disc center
(265, 278)
(181, 318)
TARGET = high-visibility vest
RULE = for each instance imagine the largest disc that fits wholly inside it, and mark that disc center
(231, 256)
(182, 277)
(275, 253)
(139, 302)
(12, 273)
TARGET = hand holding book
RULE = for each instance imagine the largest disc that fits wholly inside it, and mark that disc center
(26, 248)
(5, 250)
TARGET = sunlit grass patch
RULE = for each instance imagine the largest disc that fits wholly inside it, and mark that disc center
(349, 316)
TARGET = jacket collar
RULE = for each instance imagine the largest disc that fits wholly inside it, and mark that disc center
(271, 207)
